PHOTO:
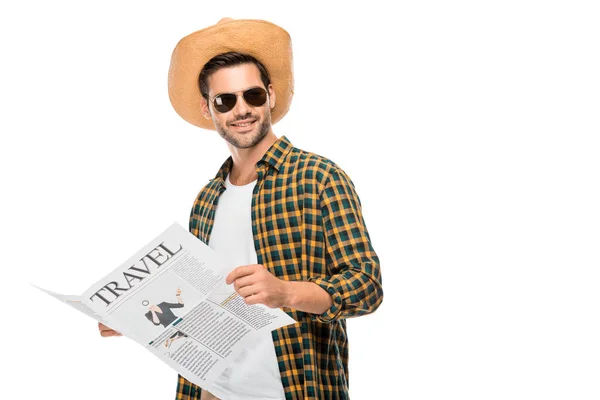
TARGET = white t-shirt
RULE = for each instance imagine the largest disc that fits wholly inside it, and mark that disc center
(254, 375)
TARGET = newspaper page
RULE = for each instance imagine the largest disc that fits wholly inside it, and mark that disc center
(172, 298)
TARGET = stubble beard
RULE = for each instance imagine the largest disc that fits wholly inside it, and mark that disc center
(247, 140)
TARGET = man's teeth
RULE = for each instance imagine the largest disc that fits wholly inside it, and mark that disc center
(244, 124)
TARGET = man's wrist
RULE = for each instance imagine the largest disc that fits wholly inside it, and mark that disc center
(306, 296)
(290, 294)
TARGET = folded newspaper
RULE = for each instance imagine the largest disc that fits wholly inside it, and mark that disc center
(171, 297)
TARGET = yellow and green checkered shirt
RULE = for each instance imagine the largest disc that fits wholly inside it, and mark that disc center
(307, 226)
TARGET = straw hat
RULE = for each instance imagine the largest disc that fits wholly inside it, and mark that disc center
(265, 41)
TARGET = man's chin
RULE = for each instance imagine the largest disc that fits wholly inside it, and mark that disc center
(244, 140)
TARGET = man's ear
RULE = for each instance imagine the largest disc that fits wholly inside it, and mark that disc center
(272, 97)
(205, 109)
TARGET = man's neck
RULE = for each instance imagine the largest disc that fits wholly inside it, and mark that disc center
(244, 160)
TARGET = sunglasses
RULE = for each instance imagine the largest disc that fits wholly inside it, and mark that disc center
(225, 102)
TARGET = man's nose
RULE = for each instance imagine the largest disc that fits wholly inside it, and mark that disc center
(241, 107)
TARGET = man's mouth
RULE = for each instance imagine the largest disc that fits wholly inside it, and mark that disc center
(243, 124)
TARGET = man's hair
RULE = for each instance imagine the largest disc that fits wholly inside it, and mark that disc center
(229, 59)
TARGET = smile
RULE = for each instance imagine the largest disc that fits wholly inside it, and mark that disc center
(243, 124)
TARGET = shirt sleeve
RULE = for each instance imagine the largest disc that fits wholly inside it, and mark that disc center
(355, 281)
(173, 305)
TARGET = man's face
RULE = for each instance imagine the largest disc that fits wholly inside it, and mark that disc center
(244, 125)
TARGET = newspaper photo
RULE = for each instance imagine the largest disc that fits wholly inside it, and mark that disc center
(171, 297)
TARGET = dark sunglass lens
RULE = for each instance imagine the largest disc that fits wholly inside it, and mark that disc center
(255, 97)
(225, 102)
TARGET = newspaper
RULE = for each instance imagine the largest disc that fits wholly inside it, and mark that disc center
(171, 297)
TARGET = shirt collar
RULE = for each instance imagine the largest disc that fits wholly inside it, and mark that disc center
(274, 156)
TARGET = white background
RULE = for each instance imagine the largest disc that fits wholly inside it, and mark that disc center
(470, 129)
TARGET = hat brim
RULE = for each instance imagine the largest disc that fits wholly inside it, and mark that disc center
(265, 41)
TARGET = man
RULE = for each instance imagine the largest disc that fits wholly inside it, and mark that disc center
(290, 220)
(162, 314)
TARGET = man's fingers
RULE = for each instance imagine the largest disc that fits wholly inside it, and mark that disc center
(105, 331)
(103, 327)
(254, 299)
(109, 333)
(240, 272)
(243, 282)
(248, 291)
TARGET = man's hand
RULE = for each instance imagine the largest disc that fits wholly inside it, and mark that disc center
(256, 285)
(155, 308)
(105, 331)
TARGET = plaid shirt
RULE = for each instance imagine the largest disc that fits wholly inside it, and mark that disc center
(307, 226)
